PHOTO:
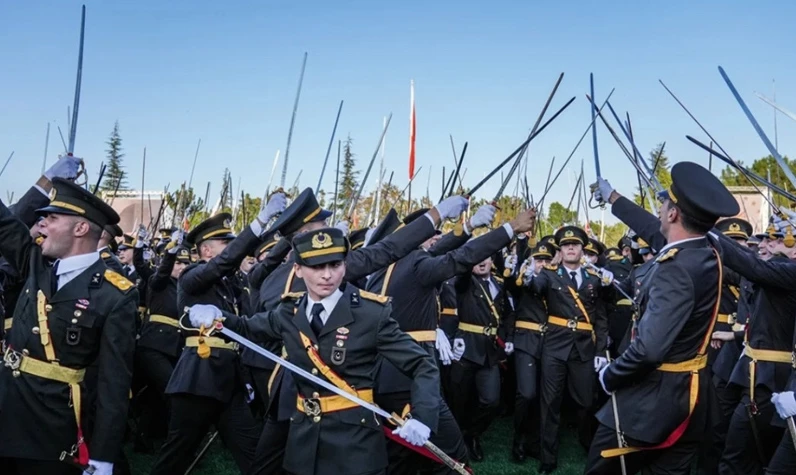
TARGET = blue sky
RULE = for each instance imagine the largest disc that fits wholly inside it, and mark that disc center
(226, 72)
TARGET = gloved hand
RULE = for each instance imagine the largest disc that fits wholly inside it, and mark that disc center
(510, 263)
(66, 167)
(443, 347)
(785, 404)
(342, 226)
(483, 217)
(530, 271)
(601, 378)
(602, 190)
(140, 236)
(203, 315)
(173, 248)
(177, 237)
(600, 362)
(148, 254)
(276, 204)
(452, 207)
(414, 432)
(508, 348)
(100, 468)
(458, 349)
(607, 277)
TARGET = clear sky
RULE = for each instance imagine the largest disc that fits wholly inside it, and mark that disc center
(226, 72)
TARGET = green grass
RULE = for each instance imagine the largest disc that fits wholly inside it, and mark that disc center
(497, 448)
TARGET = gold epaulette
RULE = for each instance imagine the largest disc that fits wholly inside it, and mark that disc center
(551, 267)
(105, 255)
(292, 295)
(592, 272)
(118, 280)
(667, 255)
(499, 279)
(506, 272)
(374, 297)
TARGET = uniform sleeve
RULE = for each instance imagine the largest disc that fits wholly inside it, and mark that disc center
(600, 324)
(448, 242)
(644, 223)
(198, 279)
(780, 274)
(430, 271)
(367, 260)
(671, 302)
(115, 375)
(141, 266)
(15, 241)
(261, 327)
(405, 354)
(25, 208)
(161, 277)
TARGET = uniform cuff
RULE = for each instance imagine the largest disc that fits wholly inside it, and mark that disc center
(509, 230)
(256, 228)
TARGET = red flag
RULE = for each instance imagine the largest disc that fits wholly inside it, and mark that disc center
(412, 131)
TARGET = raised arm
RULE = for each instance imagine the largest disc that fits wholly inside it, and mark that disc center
(198, 279)
(15, 241)
(780, 274)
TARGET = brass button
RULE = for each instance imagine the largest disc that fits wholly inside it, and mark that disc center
(314, 371)
(363, 421)
(35, 330)
(74, 320)
(340, 343)
(316, 419)
(316, 395)
(48, 307)
(291, 419)
(15, 373)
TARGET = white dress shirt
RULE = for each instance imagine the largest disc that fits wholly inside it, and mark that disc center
(71, 267)
(578, 274)
(328, 305)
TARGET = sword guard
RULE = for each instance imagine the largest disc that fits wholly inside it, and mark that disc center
(398, 420)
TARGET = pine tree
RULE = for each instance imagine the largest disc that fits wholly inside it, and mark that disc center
(660, 163)
(348, 180)
(114, 174)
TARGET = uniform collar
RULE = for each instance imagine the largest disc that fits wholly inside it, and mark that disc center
(328, 303)
(679, 243)
(77, 263)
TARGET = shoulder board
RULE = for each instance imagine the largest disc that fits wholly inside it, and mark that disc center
(551, 267)
(292, 295)
(374, 297)
(499, 279)
(592, 272)
(118, 280)
(105, 255)
(667, 255)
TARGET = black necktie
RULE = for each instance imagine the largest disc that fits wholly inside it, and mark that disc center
(574, 278)
(316, 324)
(54, 278)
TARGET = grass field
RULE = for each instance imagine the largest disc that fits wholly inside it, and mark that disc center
(497, 447)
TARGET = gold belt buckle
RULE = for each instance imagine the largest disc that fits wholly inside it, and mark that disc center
(732, 318)
(12, 359)
(572, 325)
(312, 407)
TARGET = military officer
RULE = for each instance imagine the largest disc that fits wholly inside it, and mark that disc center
(205, 386)
(619, 308)
(73, 311)
(108, 247)
(338, 331)
(576, 336)
(667, 359)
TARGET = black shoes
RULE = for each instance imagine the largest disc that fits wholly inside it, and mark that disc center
(474, 448)
(518, 450)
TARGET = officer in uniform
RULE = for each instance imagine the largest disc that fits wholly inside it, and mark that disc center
(73, 311)
(161, 339)
(666, 361)
(576, 336)
(529, 329)
(305, 214)
(205, 387)
(108, 247)
(338, 331)
(619, 308)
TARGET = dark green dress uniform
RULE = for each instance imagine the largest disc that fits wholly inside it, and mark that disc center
(576, 332)
(205, 391)
(328, 434)
(90, 318)
(667, 360)
(359, 264)
(483, 305)
(619, 309)
(412, 283)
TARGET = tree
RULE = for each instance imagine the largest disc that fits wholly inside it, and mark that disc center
(348, 180)
(660, 163)
(766, 167)
(114, 173)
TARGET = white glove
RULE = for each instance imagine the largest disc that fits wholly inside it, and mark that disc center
(509, 348)
(414, 432)
(100, 468)
(65, 167)
(602, 382)
(148, 254)
(140, 236)
(276, 204)
(203, 315)
(785, 404)
(602, 190)
(177, 237)
(530, 271)
(443, 347)
(452, 207)
(458, 349)
(600, 362)
(510, 262)
(174, 250)
(342, 226)
(483, 217)
(607, 277)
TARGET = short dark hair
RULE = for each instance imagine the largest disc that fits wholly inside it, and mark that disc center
(691, 224)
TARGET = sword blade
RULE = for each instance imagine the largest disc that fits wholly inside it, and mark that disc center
(776, 106)
(770, 146)
(594, 129)
(329, 148)
(78, 82)
(352, 205)
(792, 429)
(293, 121)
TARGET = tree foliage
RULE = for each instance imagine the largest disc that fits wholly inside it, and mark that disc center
(766, 167)
(114, 173)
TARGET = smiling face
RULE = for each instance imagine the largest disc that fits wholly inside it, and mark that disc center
(321, 280)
